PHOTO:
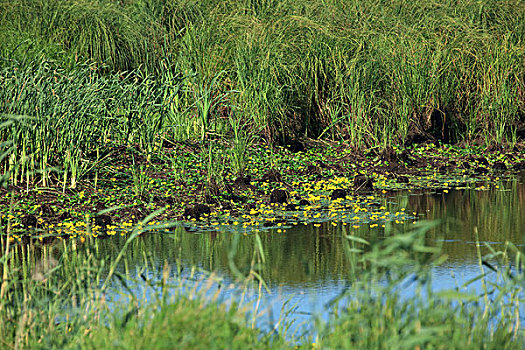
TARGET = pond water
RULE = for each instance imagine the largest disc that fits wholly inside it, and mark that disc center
(307, 265)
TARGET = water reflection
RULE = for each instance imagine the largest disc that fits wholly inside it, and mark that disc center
(304, 256)
(307, 265)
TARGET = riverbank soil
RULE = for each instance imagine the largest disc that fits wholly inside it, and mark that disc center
(195, 184)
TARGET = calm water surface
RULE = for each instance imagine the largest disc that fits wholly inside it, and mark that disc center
(307, 266)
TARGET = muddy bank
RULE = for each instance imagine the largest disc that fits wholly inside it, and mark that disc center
(196, 185)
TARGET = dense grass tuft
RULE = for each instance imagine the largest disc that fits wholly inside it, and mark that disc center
(373, 72)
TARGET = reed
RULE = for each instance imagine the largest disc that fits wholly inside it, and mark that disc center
(370, 72)
(65, 118)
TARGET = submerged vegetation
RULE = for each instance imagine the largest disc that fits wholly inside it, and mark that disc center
(245, 116)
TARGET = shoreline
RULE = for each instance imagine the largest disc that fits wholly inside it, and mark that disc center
(277, 185)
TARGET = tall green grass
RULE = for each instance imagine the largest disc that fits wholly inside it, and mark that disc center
(62, 122)
(67, 116)
(139, 72)
(369, 71)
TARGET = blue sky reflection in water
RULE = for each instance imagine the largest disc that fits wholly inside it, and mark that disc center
(306, 266)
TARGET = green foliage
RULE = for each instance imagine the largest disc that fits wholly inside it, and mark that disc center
(372, 72)
(184, 323)
(77, 75)
(67, 116)
(6, 147)
(376, 315)
(57, 296)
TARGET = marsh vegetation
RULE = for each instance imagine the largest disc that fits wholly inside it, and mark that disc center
(245, 119)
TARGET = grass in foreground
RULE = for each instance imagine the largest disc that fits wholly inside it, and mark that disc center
(67, 308)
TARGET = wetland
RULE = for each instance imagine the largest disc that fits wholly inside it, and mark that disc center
(262, 174)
